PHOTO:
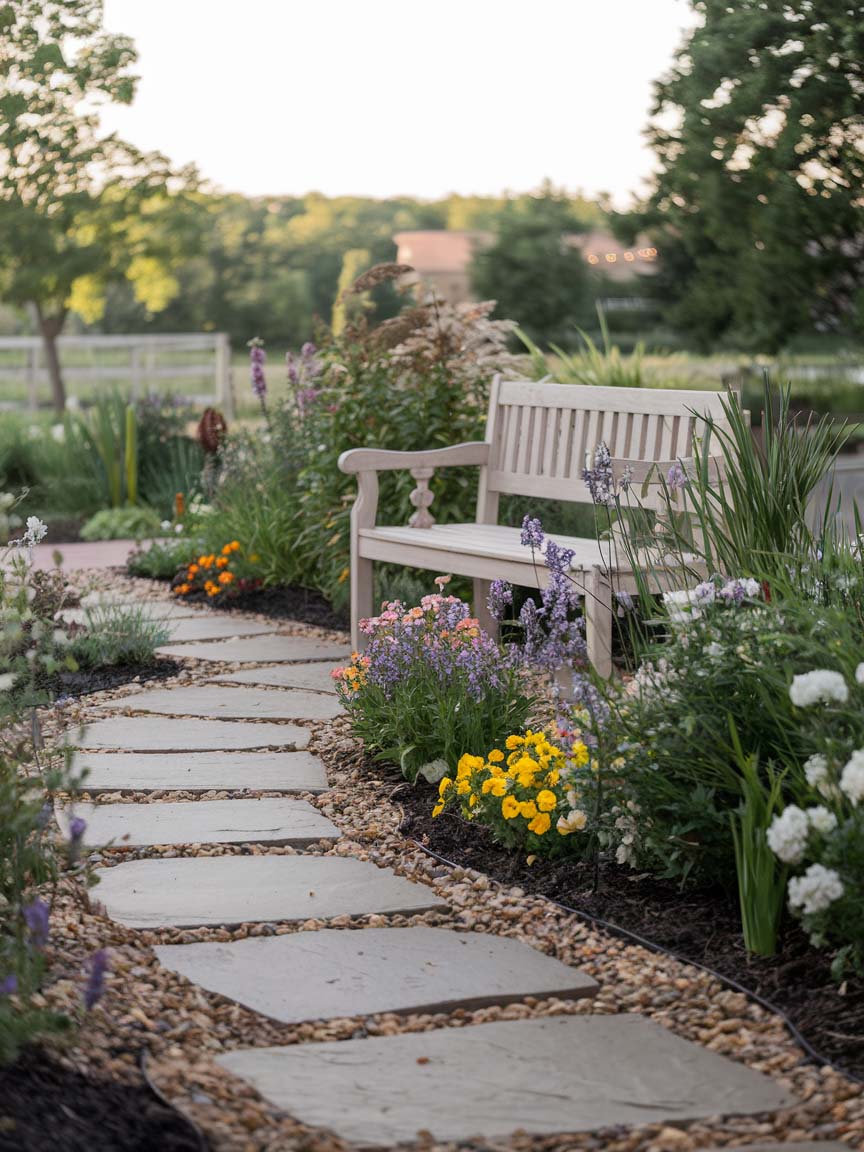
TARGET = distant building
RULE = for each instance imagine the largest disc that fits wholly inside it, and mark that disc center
(442, 259)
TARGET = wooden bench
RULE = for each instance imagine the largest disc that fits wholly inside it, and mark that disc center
(538, 438)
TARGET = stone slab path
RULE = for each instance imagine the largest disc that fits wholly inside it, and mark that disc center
(315, 677)
(265, 650)
(327, 974)
(188, 892)
(544, 1075)
(207, 627)
(201, 771)
(265, 821)
(153, 610)
(145, 734)
(561, 1074)
(220, 703)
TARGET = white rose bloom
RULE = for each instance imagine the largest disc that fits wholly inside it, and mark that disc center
(816, 890)
(787, 836)
(818, 686)
(821, 819)
(852, 777)
(859, 674)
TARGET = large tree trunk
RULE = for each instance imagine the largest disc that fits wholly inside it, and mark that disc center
(50, 327)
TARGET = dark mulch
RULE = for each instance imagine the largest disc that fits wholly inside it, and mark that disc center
(66, 683)
(45, 1107)
(283, 603)
(702, 925)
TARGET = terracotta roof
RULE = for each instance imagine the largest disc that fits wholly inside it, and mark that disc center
(439, 251)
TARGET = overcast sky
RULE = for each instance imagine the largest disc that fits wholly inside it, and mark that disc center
(385, 97)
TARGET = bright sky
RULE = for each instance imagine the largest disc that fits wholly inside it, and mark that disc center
(383, 97)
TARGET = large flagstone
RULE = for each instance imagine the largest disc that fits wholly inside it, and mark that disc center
(333, 973)
(543, 1076)
(190, 892)
(201, 771)
(152, 609)
(264, 650)
(270, 820)
(207, 627)
(315, 677)
(220, 703)
(149, 734)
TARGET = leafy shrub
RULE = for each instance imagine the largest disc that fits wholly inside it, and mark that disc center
(128, 523)
(430, 686)
(117, 634)
(163, 558)
(527, 799)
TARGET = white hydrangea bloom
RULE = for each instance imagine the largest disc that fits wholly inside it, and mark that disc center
(787, 836)
(821, 819)
(816, 890)
(819, 686)
(852, 777)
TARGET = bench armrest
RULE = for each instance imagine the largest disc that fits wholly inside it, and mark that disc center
(382, 460)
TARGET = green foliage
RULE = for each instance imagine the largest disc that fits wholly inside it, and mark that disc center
(78, 209)
(606, 367)
(162, 559)
(757, 136)
(127, 523)
(531, 270)
(118, 635)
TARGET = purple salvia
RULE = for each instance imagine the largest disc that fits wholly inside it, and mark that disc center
(97, 968)
(257, 357)
(9, 985)
(500, 598)
(676, 477)
(532, 534)
(36, 918)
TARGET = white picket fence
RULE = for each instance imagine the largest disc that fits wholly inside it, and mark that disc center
(194, 366)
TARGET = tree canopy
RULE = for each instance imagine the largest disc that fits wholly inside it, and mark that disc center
(78, 209)
(759, 134)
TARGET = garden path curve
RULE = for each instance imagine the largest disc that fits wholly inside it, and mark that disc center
(248, 729)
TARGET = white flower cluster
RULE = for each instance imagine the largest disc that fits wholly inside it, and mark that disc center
(787, 836)
(852, 777)
(816, 890)
(821, 686)
(681, 606)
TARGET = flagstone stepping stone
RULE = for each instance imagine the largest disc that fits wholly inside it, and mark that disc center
(147, 734)
(201, 771)
(220, 703)
(315, 677)
(153, 610)
(264, 650)
(333, 973)
(193, 891)
(265, 821)
(216, 628)
(554, 1075)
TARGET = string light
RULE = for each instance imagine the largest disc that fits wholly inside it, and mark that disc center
(647, 254)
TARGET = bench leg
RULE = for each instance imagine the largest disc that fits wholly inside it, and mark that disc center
(481, 609)
(598, 622)
(361, 599)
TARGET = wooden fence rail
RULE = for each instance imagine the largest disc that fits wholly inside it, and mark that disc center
(193, 366)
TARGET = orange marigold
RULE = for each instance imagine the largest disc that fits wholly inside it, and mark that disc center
(226, 577)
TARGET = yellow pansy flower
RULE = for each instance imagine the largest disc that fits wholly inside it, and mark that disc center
(553, 776)
(438, 809)
(540, 824)
(528, 809)
(513, 742)
(546, 800)
(580, 754)
(509, 807)
(495, 756)
(445, 785)
(463, 788)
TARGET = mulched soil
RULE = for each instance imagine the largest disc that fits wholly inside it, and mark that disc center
(700, 925)
(283, 603)
(45, 1106)
(66, 683)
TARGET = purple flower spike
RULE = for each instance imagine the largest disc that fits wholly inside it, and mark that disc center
(36, 918)
(77, 828)
(308, 350)
(9, 985)
(500, 598)
(532, 534)
(97, 967)
(257, 357)
(676, 478)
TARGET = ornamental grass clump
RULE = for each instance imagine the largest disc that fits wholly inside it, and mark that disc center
(430, 685)
(527, 796)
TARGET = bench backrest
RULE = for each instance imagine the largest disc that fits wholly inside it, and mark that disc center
(540, 434)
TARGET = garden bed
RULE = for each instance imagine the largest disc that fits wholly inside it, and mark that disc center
(701, 925)
(66, 683)
(45, 1106)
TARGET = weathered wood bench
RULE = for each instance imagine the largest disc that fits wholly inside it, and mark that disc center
(538, 437)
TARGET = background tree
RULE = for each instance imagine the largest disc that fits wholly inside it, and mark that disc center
(77, 210)
(759, 131)
(534, 273)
